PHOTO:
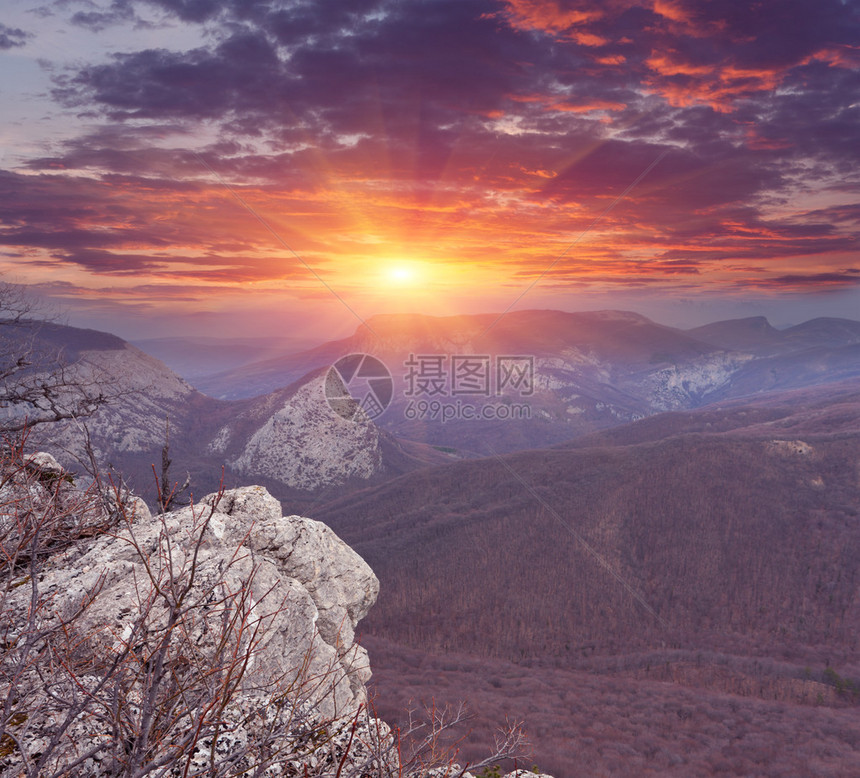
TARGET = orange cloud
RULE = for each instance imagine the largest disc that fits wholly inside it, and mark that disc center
(588, 38)
(672, 10)
(553, 103)
(593, 105)
(670, 65)
(683, 19)
(684, 83)
(549, 16)
(837, 56)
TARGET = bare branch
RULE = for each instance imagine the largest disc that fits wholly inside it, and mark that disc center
(172, 691)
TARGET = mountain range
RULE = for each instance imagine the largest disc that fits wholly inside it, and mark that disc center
(656, 567)
(586, 372)
(591, 370)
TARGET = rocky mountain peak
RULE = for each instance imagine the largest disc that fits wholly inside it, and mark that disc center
(295, 437)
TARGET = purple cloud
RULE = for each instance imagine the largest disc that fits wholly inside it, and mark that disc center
(12, 37)
(515, 122)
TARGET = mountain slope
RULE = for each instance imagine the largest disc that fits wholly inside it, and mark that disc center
(141, 391)
(589, 371)
(825, 409)
(292, 439)
(534, 553)
(713, 553)
(825, 332)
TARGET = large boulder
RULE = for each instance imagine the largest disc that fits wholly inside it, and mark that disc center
(303, 588)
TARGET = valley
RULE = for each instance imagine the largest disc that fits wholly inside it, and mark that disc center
(656, 570)
(714, 569)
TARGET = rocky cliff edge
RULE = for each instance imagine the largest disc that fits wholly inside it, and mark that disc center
(227, 595)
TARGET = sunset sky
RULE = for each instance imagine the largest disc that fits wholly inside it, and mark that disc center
(231, 167)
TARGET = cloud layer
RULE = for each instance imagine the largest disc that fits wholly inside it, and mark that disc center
(483, 136)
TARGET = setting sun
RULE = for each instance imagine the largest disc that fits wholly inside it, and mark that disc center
(401, 274)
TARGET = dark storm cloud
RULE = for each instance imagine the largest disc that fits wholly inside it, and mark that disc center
(211, 268)
(157, 83)
(92, 223)
(131, 152)
(46, 211)
(119, 12)
(770, 33)
(839, 214)
(324, 67)
(63, 238)
(106, 262)
(817, 117)
(682, 177)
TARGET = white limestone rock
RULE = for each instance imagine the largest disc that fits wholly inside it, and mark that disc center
(308, 585)
(300, 441)
(456, 771)
(44, 463)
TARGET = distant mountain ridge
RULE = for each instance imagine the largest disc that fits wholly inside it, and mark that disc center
(758, 336)
(592, 370)
(394, 336)
(752, 333)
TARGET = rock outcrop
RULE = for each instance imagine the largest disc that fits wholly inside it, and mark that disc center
(221, 636)
(224, 622)
(309, 588)
(293, 436)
